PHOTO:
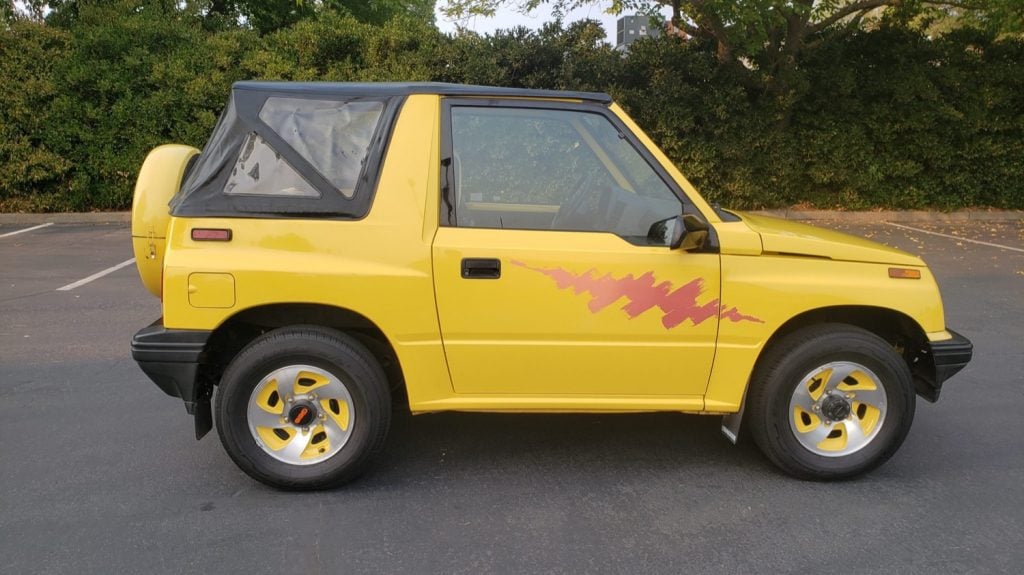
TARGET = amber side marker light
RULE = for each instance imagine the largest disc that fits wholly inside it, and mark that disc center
(904, 273)
(217, 235)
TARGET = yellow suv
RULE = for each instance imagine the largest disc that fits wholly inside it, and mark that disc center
(337, 250)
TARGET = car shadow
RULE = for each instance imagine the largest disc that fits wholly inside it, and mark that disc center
(478, 446)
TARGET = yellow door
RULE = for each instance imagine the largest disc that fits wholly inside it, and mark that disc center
(573, 313)
(549, 277)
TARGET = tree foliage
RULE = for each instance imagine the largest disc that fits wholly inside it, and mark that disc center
(886, 116)
(766, 41)
(271, 15)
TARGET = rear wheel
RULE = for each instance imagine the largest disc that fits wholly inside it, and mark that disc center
(303, 408)
(830, 401)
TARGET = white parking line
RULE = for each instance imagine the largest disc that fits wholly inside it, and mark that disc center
(1000, 246)
(96, 276)
(16, 232)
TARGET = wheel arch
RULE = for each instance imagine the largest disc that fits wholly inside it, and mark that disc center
(893, 326)
(889, 324)
(234, 333)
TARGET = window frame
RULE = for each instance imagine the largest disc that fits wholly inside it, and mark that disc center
(447, 215)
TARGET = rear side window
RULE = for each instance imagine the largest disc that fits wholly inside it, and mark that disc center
(307, 154)
(334, 137)
(260, 171)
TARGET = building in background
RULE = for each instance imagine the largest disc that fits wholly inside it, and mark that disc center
(629, 28)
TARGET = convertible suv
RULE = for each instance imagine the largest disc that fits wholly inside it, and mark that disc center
(338, 251)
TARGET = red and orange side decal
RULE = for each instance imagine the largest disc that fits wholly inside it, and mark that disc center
(644, 293)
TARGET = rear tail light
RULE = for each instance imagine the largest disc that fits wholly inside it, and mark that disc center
(211, 235)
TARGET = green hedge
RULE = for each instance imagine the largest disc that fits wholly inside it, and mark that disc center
(881, 118)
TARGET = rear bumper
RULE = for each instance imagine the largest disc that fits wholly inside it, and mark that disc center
(171, 357)
(949, 357)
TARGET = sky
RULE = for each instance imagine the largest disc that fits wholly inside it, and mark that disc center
(508, 17)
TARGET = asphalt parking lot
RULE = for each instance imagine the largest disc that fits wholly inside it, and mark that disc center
(100, 473)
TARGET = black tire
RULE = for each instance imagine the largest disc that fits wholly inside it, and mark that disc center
(785, 365)
(329, 350)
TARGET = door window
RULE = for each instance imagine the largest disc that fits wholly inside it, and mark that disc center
(551, 169)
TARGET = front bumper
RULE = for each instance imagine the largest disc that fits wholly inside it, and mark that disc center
(948, 357)
(171, 358)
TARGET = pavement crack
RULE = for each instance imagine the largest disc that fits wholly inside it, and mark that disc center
(23, 296)
(316, 542)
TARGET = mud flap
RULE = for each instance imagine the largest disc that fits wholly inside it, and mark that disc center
(201, 413)
(731, 424)
(204, 417)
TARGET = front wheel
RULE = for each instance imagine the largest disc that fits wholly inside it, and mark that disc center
(303, 408)
(830, 402)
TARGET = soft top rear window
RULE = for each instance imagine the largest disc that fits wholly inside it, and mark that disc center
(334, 137)
(290, 155)
(260, 171)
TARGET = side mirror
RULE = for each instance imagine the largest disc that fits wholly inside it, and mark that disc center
(685, 231)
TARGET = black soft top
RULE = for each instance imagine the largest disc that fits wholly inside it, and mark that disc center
(387, 89)
(322, 166)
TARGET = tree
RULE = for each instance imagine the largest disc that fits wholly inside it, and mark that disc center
(999, 16)
(13, 10)
(380, 11)
(765, 40)
(264, 16)
(270, 15)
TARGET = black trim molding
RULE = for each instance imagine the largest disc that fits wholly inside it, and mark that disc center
(949, 357)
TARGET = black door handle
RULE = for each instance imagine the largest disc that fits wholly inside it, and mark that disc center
(481, 268)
